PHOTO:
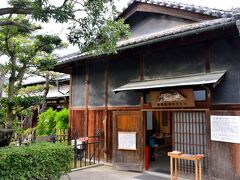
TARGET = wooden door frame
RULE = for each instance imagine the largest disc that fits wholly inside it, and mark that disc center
(208, 133)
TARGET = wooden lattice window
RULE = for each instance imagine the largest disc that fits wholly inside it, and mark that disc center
(189, 133)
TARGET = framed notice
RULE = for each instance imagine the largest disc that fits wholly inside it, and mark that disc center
(127, 140)
(225, 128)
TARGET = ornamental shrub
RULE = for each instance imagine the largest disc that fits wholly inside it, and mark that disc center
(50, 121)
(61, 119)
(46, 122)
(38, 161)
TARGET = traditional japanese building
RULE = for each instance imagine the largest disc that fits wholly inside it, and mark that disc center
(177, 77)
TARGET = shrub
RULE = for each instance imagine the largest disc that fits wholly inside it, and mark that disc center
(61, 119)
(37, 161)
(46, 122)
(50, 120)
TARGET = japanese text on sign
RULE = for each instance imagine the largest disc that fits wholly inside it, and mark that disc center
(225, 128)
(127, 140)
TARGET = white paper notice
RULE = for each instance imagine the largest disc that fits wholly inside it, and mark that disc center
(127, 140)
(225, 128)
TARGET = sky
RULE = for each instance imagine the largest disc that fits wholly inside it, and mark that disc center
(60, 29)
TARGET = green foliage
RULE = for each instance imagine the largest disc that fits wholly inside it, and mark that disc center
(50, 121)
(96, 31)
(61, 119)
(21, 101)
(22, 107)
(37, 161)
(27, 53)
(27, 132)
(30, 90)
(99, 30)
(46, 122)
(41, 10)
(3, 116)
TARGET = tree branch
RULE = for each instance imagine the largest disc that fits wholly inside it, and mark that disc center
(26, 10)
(8, 23)
(64, 3)
(11, 10)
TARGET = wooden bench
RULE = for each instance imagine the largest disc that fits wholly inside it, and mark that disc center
(174, 156)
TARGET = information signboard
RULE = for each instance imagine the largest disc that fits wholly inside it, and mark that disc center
(225, 128)
(127, 140)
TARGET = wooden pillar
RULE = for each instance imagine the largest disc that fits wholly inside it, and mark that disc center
(86, 100)
(106, 109)
(70, 110)
(142, 76)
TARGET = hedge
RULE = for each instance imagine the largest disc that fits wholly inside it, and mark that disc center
(37, 161)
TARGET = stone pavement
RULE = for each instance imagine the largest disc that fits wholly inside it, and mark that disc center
(107, 173)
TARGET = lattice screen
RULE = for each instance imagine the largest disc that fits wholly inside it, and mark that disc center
(189, 133)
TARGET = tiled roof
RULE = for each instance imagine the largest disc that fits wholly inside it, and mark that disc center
(181, 31)
(187, 7)
(32, 80)
(189, 29)
(224, 18)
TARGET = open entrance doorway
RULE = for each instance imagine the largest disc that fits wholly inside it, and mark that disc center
(181, 130)
(159, 140)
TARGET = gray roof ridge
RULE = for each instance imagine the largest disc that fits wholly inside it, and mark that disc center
(216, 12)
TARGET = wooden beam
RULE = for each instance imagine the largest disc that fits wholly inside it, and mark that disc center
(129, 11)
(182, 110)
(227, 107)
(124, 108)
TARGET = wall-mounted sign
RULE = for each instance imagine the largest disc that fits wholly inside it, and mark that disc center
(172, 98)
(127, 140)
(225, 128)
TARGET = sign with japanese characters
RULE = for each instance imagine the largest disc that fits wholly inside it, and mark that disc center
(127, 140)
(225, 128)
(172, 98)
